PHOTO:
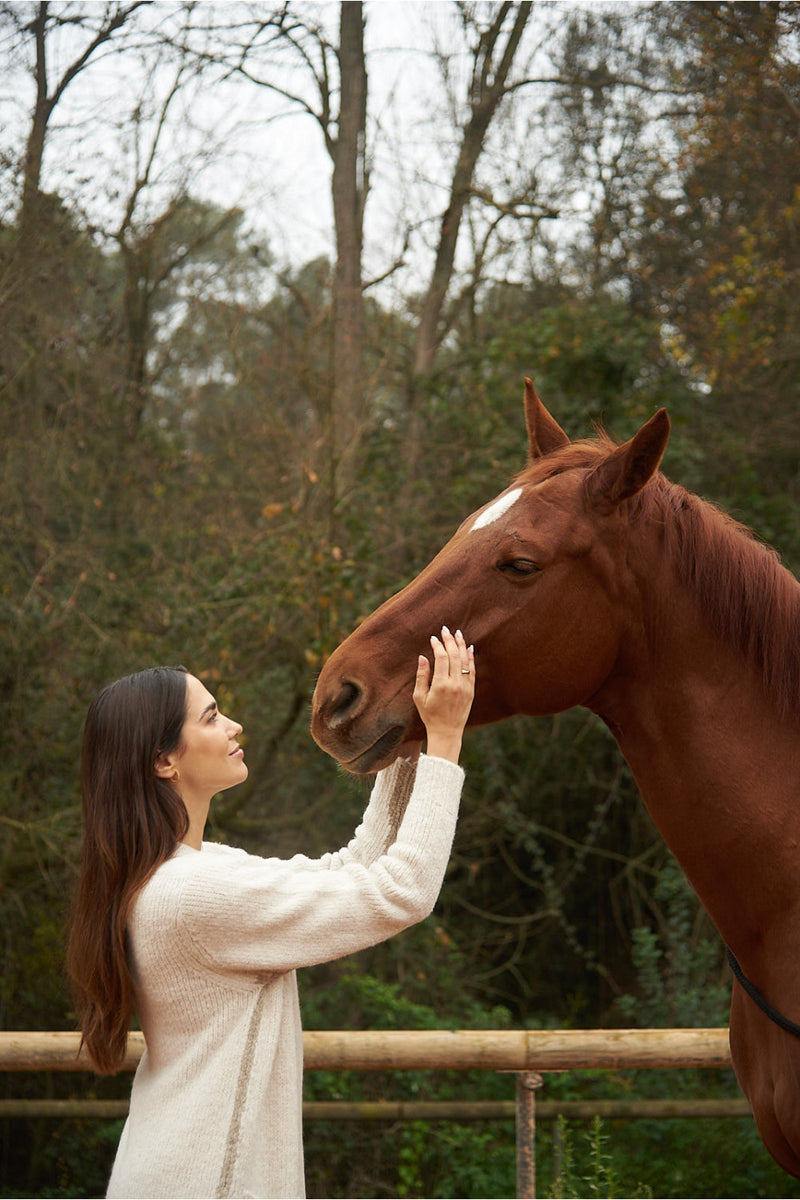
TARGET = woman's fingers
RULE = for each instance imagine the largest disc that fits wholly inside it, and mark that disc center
(444, 696)
(466, 654)
(441, 659)
(423, 681)
(446, 693)
(452, 652)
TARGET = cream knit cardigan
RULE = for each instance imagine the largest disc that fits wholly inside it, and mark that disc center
(215, 937)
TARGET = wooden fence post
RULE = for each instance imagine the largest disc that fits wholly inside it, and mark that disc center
(527, 1084)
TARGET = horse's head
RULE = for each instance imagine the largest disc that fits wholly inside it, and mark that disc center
(536, 579)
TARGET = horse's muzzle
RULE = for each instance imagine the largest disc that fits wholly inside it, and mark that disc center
(357, 732)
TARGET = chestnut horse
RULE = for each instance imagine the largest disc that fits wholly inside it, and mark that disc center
(592, 580)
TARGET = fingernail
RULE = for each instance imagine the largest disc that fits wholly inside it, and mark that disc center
(445, 629)
(459, 634)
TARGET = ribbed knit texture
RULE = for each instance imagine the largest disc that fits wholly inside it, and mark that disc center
(216, 936)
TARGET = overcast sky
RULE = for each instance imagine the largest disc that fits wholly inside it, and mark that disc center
(246, 147)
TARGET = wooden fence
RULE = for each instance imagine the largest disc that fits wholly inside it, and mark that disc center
(528, 1054)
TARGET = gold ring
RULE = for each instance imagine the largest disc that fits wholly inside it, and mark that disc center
(465, 670)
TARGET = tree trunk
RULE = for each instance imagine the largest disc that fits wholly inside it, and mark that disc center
(47, 98)
(349, 194)
(487, 90)
(34, 148)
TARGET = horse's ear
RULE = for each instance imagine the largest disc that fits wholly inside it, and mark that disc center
(628, 468)
(544, 433)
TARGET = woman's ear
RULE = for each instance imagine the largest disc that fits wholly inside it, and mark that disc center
(165, 768)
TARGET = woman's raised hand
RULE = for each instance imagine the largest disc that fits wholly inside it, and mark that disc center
(444, 698)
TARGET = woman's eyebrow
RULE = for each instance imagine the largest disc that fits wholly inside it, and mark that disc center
(208, 708)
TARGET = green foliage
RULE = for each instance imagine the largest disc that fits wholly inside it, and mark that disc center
(681, 970)
(667, 1158)
(410, 1158)
(600, 1179)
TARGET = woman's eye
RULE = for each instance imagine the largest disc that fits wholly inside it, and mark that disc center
(518, 566)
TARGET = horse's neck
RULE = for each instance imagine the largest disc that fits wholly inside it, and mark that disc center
(717, 766)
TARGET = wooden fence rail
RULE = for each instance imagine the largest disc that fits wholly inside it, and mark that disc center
(422, 1110)
(525, 1053)
(432, 1050)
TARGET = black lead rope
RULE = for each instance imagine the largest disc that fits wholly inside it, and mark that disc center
(757, 998)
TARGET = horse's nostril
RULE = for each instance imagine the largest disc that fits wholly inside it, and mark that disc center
(344, 704)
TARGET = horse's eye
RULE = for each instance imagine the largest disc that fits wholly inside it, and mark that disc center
(518, 567)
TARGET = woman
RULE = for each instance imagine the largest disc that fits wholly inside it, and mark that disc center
(203, 940)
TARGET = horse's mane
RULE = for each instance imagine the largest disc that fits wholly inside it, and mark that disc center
(749, 599)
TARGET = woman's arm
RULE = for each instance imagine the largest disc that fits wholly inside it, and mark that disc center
(443, 698)
(269, 914)
(249, 915)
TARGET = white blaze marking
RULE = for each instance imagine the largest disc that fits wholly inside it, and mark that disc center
(496, 509)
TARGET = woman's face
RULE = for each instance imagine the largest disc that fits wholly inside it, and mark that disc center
(209, 757)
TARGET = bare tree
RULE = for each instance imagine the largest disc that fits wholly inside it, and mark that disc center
(37, 262)
(100, 23)
(350, 181)
(331, 87)
(155, 245)
(493, 57)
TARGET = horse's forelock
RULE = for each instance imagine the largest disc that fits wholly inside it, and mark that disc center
(578, 455)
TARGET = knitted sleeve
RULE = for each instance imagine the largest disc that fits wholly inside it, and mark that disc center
(245, 913)
(378, 829)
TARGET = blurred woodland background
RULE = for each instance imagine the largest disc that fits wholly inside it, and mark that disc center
(228, 433)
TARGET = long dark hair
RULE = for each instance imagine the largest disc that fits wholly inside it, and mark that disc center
(132, 821)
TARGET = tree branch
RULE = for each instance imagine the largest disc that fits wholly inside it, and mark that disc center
(103, 35)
